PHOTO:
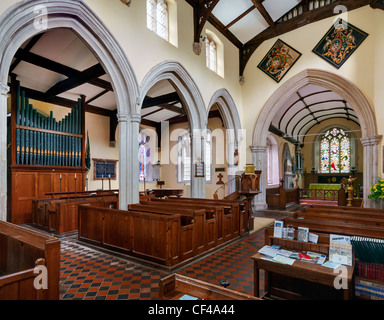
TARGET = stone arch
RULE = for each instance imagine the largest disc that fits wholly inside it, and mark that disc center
(189, 93)
(232, 124)
(349, 92)
(17, 24)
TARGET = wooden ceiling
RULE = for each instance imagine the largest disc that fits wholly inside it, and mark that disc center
(248, 23)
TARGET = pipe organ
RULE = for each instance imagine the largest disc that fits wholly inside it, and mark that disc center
(47, 154)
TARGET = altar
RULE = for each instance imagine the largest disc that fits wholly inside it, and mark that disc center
(324, 186)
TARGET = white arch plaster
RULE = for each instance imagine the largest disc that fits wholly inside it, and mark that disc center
(189, 93)
(232, 124)
(17, 26)
(349, 92)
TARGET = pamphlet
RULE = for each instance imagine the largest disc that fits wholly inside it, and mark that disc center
(330, 264)
(313, 237)
(340, 249)
(278, 229)
(269, 251)
(317, 258)
(284, 260)
(302, 234)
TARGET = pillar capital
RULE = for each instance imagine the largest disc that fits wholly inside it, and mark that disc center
(258, 149)
(371, 141)
(4, 89)
(136, 117)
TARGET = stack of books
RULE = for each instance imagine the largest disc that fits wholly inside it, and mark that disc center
(368, 249)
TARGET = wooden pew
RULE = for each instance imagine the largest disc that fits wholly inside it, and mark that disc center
(239, 208)
(342, 218)
(225, 218)
(214, 218)
(192, 243)
(150, 237)
(21, 250)
(363, 212)
(60, 216)
(174, 286)
(352, 229)
(281, 198)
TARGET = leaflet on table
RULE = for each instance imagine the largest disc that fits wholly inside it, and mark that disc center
(317, 258)
(340, 249)
(330, 264)
(284, 260)
(269, 251)
(278, 229)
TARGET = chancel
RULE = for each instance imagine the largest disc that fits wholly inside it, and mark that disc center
(149, 147)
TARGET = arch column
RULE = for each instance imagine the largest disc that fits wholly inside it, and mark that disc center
(4, 89)
(259, 160)
(198, 184)
(370, 162)
(128, 162)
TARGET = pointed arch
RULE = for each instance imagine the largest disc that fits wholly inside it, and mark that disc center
(350, 93)
(17, 24)
(194, 105)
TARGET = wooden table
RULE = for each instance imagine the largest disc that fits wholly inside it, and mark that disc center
(300, 270)
(167, 192)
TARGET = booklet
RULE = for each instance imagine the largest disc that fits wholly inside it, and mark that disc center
(330, 264)
(340, 249)
(278, 229)
(269, 251)
(302, 234)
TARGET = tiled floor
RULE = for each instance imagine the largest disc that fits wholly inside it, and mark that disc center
(87, 274)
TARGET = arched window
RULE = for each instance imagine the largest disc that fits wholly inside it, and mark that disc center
(157, 17)
(211, 54)
(335, 152)
(142, 158)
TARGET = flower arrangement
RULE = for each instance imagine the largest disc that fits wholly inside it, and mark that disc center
(377, 191)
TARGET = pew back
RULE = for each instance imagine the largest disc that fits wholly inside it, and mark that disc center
(21, 250)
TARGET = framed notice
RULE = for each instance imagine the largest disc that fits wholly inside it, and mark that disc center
(199, 169)
(104, 169)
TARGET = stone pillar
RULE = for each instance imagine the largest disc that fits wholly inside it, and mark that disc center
(4, 89)
(123, 161)
(198, 184)
(133, 174)
(259, 160)
(371, 166)
(231, 145)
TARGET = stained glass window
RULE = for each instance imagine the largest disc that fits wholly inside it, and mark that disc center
(335, 152)
(143, 152)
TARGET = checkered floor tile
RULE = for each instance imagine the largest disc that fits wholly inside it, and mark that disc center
(88, 274)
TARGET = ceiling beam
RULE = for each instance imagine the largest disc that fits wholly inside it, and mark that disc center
(264, 13)
(240, 17)
(282, 134)
(172, 97)
(42, 62)
(27, 48)
(73, 82)
(307, 17)
(201, 11)
(41, 96)
(224, 30)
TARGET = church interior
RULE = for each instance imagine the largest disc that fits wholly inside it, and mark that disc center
(191, 150)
